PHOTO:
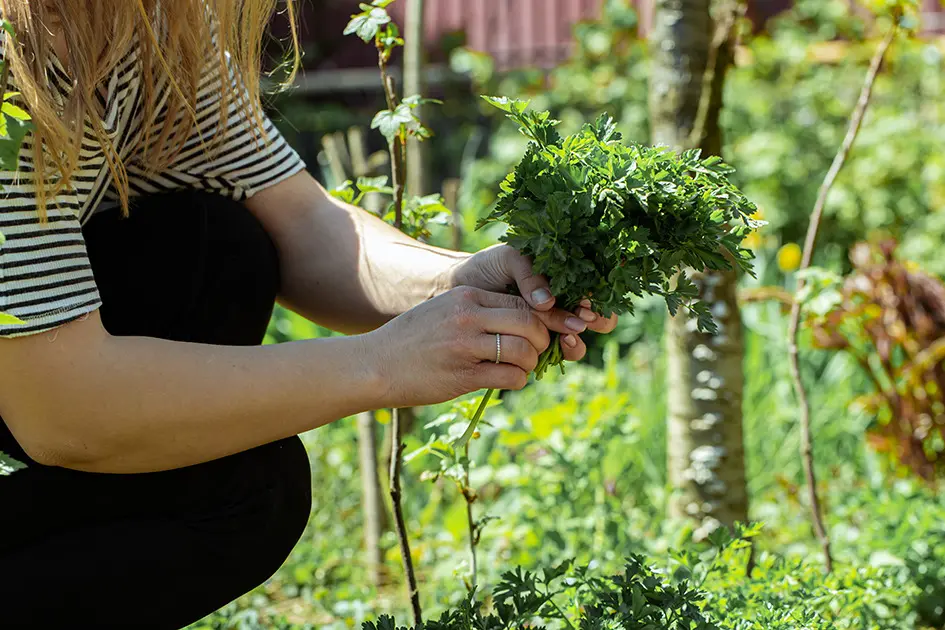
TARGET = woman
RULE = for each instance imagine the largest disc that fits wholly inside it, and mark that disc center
(164, 473)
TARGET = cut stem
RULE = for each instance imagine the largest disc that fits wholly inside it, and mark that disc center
(471, 429)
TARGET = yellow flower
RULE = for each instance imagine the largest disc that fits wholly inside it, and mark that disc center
(789, 257)
(873, 311)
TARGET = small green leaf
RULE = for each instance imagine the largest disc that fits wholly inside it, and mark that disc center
(15, 112)
(368, 24)
(344, 192)
(9, 320)
(393, 123)
(10, 145)
(507, 105)
(8, 465)
(416, 100)
(374, 185)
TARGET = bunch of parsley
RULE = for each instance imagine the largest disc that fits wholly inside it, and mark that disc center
(612, 221)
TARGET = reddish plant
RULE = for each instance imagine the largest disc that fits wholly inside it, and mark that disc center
(890, 316)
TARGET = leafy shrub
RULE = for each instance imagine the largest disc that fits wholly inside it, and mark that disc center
(900, 527)
(890, 317)
(707, 590)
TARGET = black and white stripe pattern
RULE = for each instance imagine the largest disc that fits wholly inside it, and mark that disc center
(45, 276)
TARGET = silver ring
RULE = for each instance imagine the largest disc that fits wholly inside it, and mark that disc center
(498, 348)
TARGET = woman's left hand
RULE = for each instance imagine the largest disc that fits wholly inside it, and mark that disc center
(495, 268)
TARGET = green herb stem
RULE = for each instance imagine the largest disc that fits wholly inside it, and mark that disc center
(475, 420)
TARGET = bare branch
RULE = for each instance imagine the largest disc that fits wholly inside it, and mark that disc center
(396, 462)
(856, 121)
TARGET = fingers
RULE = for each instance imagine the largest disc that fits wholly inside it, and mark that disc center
(500, 376)
(596, 323)
(515, 351)
(556, 320)
(572, 347)
(534, 287)
(489, 299)
(518, 322)
(522, 326)
(563, 322)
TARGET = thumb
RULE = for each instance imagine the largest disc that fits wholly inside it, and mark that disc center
(533, 287)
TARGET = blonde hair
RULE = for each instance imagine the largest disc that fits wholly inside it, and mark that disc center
(99, 35)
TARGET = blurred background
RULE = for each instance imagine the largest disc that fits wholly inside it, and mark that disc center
(610, 458)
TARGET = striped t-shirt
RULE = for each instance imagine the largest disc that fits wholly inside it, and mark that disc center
(45, 276)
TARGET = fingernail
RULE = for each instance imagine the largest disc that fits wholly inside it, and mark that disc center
(570, 341)
(587, 315)
(586, 303)
(540, 296)
(575, 324)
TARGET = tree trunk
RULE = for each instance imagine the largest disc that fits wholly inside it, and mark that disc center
(705, 378)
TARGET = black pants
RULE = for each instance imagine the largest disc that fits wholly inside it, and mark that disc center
(161, 550)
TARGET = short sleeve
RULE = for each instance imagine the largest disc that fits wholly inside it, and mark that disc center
(237, 164)
(45, 275)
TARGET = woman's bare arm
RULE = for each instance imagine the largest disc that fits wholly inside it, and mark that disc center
(83, 399)
(341, 266)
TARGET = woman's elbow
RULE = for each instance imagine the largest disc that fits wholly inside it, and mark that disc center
(49, 443)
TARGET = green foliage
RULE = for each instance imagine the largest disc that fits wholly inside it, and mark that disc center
(397, 123)
(617, 221)
(787, 101)
(419, 213)
(14, 126)
(577, 469)
(638, 598)
(785, 116)
(373, 23)
(901, 527)
(403, 121)
(7, 320)
(14, 120)
(707, 589)
(8, 465)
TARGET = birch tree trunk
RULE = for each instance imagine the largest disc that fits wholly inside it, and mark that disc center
(705, 377)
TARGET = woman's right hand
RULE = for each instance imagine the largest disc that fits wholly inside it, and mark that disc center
(446, 347)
